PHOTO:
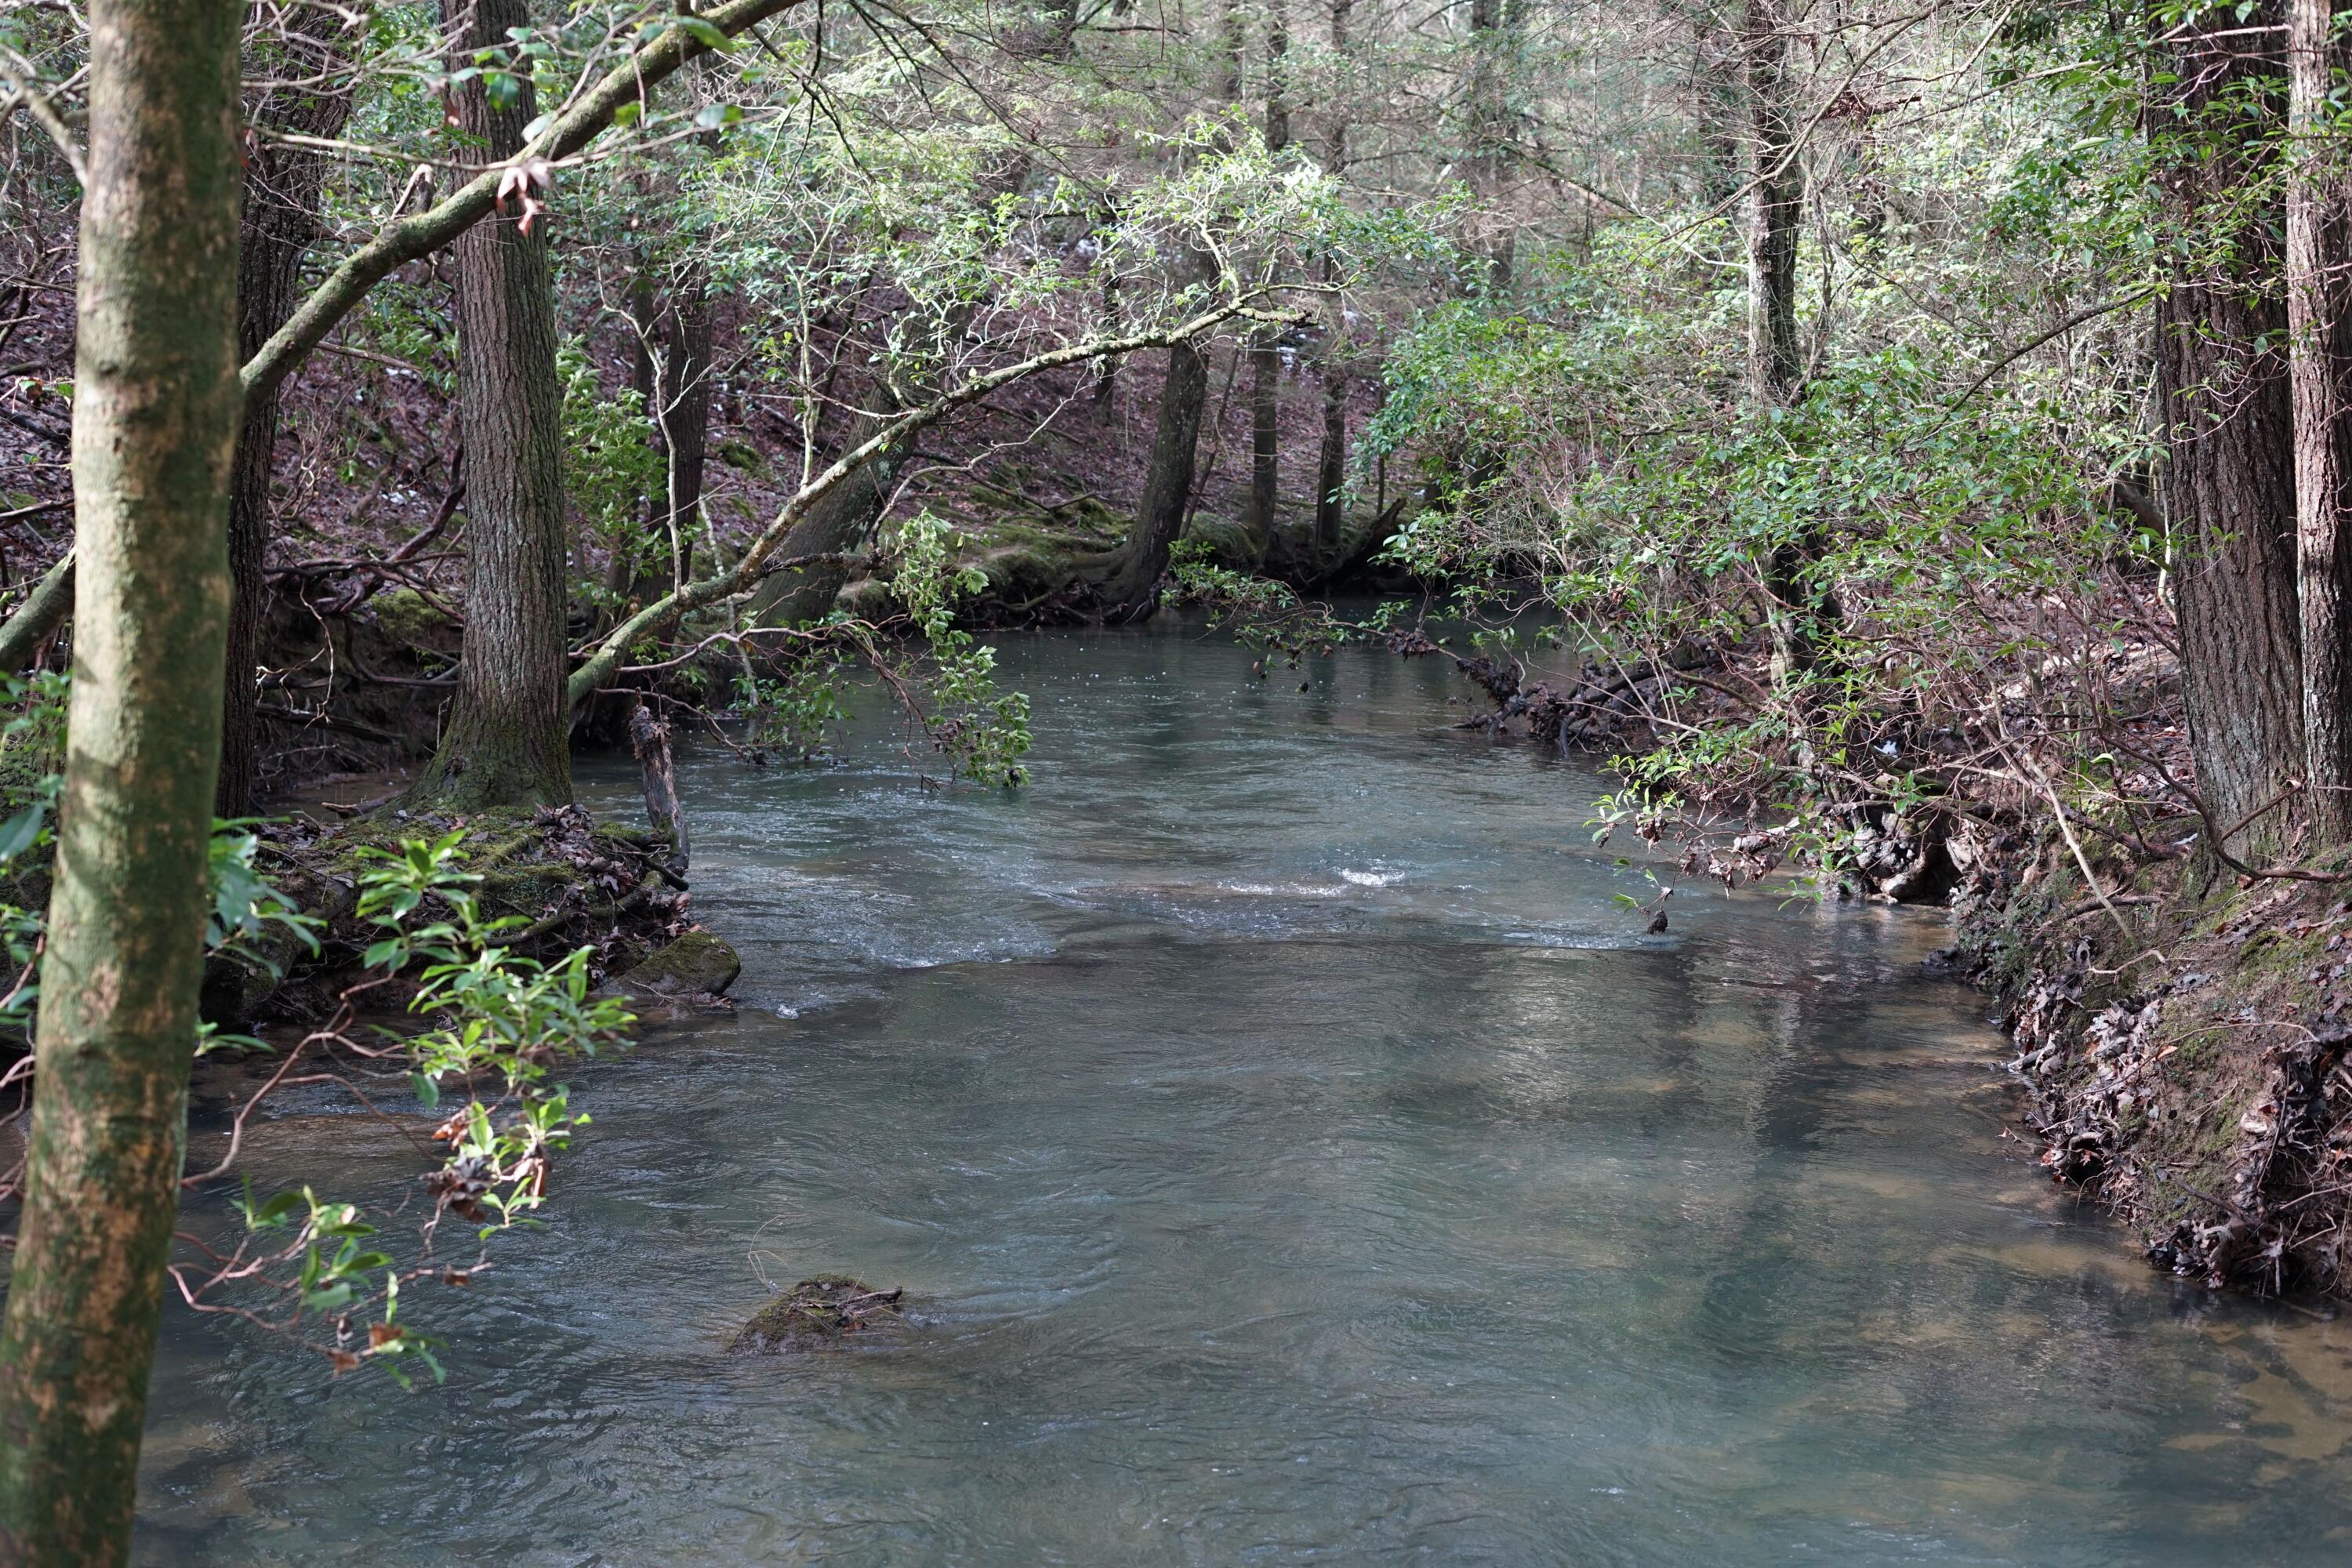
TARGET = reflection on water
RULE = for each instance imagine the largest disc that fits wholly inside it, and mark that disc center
(1297, 1154)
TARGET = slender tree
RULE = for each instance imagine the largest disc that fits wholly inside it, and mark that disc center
(1775, 208)
(506, 739)
(156, 415)
(672, 322)
(1331, 463)
(2319, 257)
(283, 185)
(1266, 353)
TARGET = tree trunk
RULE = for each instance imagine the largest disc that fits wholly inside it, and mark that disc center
(2318, 253)
(1331, 464)
(1775, 207)
(1167, 484)
(505, 741)
(156, 401)
(2222, 382)
(282, 218)
(682, 414)
(1265, 354)
(836, 525)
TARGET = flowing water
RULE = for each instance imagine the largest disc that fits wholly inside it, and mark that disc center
(1294, 1153)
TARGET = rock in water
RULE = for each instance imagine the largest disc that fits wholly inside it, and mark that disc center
(818, 1312)
(695, 964)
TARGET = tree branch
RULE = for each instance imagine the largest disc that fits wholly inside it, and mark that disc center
(405, 239)
(44, 609)
(665, 612)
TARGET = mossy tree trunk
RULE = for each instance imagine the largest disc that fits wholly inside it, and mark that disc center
(2223, 383)
(504, 743)
(156, 404)
(282, 218)
(1775, 207)
(1167, 484)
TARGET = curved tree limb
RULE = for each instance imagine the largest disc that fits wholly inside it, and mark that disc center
(43, 611)
(405, 239)
(604, 659)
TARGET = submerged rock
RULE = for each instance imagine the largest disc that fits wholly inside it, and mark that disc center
(695, 964)
(817, 1312)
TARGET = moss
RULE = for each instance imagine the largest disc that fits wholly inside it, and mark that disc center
(741, 457)
(1230, 540)
(2228, 992)
(819, 1311)
(407, 618)
(697, 963)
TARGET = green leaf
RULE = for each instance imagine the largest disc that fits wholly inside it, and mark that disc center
(22, 830)
(703, 32)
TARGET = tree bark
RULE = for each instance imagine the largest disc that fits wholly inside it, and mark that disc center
(2318, 253)
(682, 388)
(505, 743)
(1331, 464)
(837, 525)
(45, 609)
(1775, 207)
(156, 402)
(281, 219)
(1167, 484)
(2223, 383)
(1265, 354)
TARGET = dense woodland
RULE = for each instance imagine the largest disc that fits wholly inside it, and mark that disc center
(1911, 446)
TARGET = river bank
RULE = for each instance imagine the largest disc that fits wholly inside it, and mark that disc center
(2181, 1032)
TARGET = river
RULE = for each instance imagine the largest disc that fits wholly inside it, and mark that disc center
(1294, 1153)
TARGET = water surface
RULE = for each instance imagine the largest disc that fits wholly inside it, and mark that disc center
(1297, 1154)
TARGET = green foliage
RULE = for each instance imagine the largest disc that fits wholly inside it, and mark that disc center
(610, 468)
(984, 733)
(1264, 615)
(498, 1024)
(790, 707)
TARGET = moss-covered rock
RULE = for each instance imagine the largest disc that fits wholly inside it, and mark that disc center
(695, 964)
(409, 620)
(818, 1312)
